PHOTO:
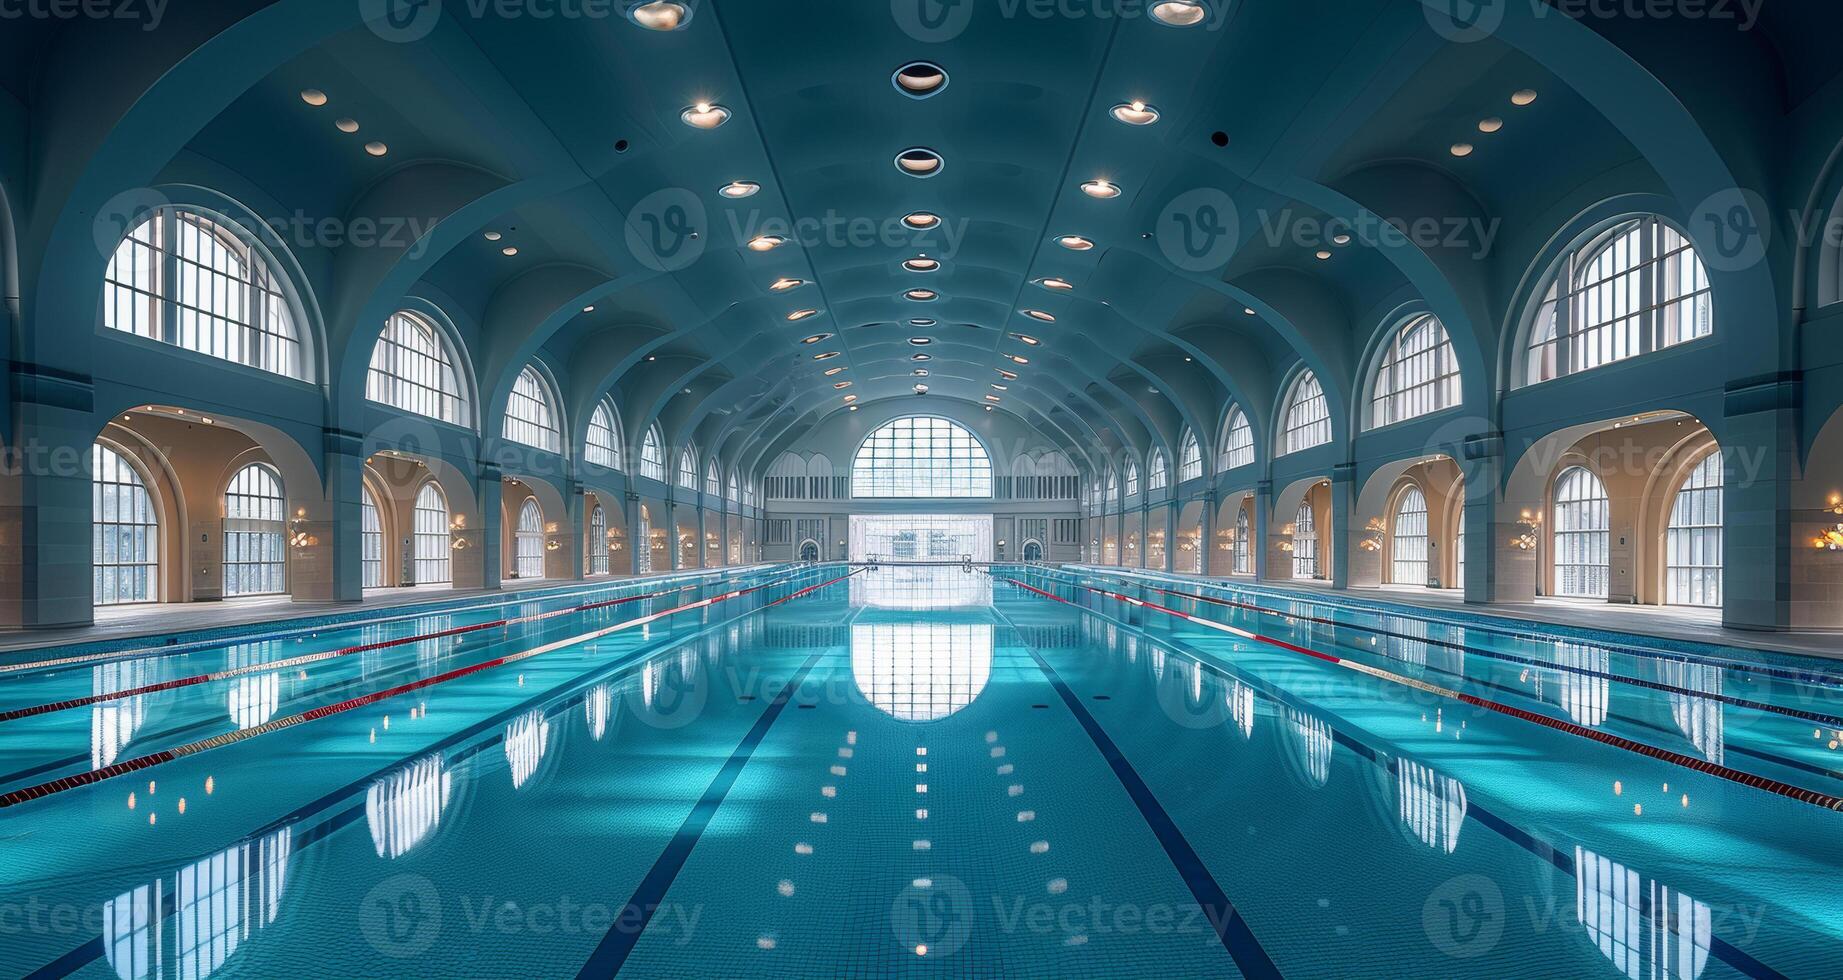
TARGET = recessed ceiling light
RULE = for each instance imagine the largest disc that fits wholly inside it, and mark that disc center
(1341, 238)
(1248, 310)
(1323, 254)
(313, 97)
(921, 357)
(1523, 97)
(816, 338)
(783, 285)
(922, 321)
(589, 309)
(492, 236)
(1018, 358)
(841, 385)
(738, 189)
(1056, 284)
(921, 341)
(920, 372)
(1179, 13)
(1490, 125)
(1007, 375)
(828, 355)
(766, 243)
(509, 250)
(1462, 149)
(1075, 243)
(993, 398)
(921, 295)
(659, 15)
(1135, 113)
(1026, 339)
(920, 79)
(849, 398)
(1102, 189)
(921, 220)
(998, 387)
(1040, 315)
(919, 161)
(705, 115)
(921, 389)
(376, 149)
(832, 371)
(798, 315)
(346, 125)
(921, 265)
(988, 408)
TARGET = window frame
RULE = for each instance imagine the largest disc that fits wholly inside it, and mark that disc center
(912, 457)
(445, 355)
(1566, 538)
(1703, 487)
(543, 397)
(1294, 428)
(143, 535)
(428, 543)
(1420, 381)
(264, 533)
(1235, 424)
(607, 453)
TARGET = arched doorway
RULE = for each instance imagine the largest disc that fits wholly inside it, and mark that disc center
(1033, 551)
(809, 550)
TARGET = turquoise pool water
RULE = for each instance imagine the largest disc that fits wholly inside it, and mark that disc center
(830, 771)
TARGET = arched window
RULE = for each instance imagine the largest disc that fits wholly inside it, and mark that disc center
(255, 533)
(124, 532)
(199, 283)
(653, 456)
(598, 541)
(735, 488)
(1237, 441)
(604, 445)
(1408, 539)
(644, 542)
(921, 456)
(413, 368)
(1157, 471)
(1244, 547)
(1581, 523)
(1110, 496)
(1633, 289)
(528, 541)
(1305, 543)
(1307, 417)
(688, 468)
(370, 540)
(1132, 478)
(713, 483)
(432, 538)
(531, 412)
(1693, 553)
(1190, 458)
(1418, 374)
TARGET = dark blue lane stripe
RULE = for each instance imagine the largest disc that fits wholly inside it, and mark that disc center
(1230, 927)
(612, 952)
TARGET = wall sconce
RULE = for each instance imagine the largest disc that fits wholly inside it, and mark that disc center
(1831, 538)
(1286, 546)
(298, 536)
(552, 544)
(1531, 525)
(1372, 535)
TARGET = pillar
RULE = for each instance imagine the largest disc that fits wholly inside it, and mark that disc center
(1343, 516)
(45, 546)
(341, 539)
(1760, 464)
(1494, 567)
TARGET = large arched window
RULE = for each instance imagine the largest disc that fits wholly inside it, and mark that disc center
(1408, 539)
(1111, 495)
(413, 368)
(735, 488)
(604, 444)
(1693, 553)
(688, 468)
(598, 541)
(1633, 289)
(1418, 374)
(1190, 458)
(1305, 542)
(1237, 440)
(124, 532)
(653, 456)
(1132, 478)
(1307, 419)
(370, 540)
(432, 537)
(255, 533)
(198, 283)
(528, 541)
(531, 412)
(713, 483)
(1157, 471)
(921, 456)
(1581, 523)
(1244, 548)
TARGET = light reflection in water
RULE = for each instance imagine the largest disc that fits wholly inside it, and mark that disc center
(895, 587)
(921, 671)
(1241, 707)
(1700, 719)
(1311, 744)
(526, 740)
(1430, 805)
(113, 723)
(598, 708)
(405, 808)
(218, 903)
(1610, 902)
(1584, 697)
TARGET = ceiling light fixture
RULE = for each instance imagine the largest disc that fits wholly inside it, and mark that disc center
(1523, 97)
(998, 387)
(1040, 315)
(1248, 310)
(659, 15)
(1075, 243)
(1101, 189)
(1462, 149)
(509, 250)
(1490, 125)
(313, 97)
(816, 338)
(849, 399)
(766, 243)
(920, 79)
(920, 372)
(1135, 113)
(1025, 338)
(921, 357)
(1061, 285)
(492, 236)
(736, 190)
(798, 315)
(1324, 254)
(921, 389)
(1007, 375)
(346, 125)
(993, 398)
(1179, 13)
(921, 295)
(922, 321)
(1341, 238)
(1018, 358)
(589, 309)
(783, 285)
(841, 385)
(921, 341)
(376, 149)
(828, 355)
(919, 161)
(921, 220)
(829, 372)
(921, 265)
(705, 115)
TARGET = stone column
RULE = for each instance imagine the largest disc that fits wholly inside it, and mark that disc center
(1761, 577)
(1495, 569)
(490, 490)
(45, 545)
(1343, 516)
(345, 491)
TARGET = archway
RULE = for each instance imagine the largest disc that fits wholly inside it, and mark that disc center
(1407, 526)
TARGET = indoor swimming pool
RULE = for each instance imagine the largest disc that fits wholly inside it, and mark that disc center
(834, 770)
